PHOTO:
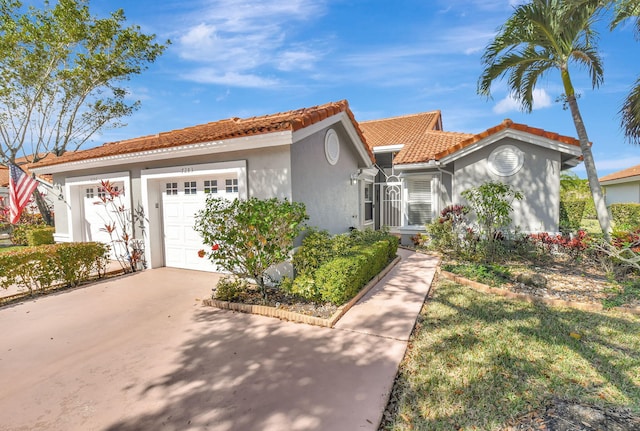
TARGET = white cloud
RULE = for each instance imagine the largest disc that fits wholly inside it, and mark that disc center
(236, 40)
(233, 79)
(541, 100)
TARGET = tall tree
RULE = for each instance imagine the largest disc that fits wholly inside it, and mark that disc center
(625, 10)
(61, 75)
(540, 37)
(620, 11)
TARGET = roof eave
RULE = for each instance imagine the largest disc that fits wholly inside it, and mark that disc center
(211, 147)
(519, 135)
(614, 181)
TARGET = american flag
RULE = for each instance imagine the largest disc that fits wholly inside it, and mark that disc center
(21, 186)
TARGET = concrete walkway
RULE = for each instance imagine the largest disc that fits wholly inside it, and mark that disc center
(141, 353)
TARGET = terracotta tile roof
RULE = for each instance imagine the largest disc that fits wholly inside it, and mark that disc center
(400, 130)
(216, 131)
(625, 173)
(4, 176)
(435, 145)
(508, 124)
(433, 142)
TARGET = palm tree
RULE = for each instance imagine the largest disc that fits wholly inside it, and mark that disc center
(630, 111)
(622, 11)
(539, 37)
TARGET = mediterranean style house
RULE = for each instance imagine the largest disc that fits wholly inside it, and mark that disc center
(397, 172)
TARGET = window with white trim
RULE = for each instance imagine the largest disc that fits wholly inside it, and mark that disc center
(171, 189)
(419, 201)
(368, 202)
(231, 185)
(190, 188)
(210, 186)
(89, 193)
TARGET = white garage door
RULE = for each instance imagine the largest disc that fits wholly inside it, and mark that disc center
(181, 199)
(96, 216)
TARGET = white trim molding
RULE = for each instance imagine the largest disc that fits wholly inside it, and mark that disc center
(266, 140)
(154, 253)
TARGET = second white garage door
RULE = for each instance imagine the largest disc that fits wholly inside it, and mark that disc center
(181, 200)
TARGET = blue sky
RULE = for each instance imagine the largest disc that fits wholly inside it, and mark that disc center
(234, 58)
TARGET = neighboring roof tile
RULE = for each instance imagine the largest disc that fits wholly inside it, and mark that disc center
(4, 176)
(224, 129)
(23, 162)
(508, 124)
(400, 130)
(625, 173)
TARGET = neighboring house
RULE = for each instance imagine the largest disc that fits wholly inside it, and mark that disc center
(316, 156)
(397, 172)
(424, 169)
(622, 186)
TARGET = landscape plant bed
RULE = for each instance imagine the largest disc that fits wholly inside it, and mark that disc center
(26, 294)
(567, 283)
(486, 362)
(291, 308)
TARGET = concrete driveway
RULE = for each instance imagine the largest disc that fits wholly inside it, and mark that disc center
(140, 352)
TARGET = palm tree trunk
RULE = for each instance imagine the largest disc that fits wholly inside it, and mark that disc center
(604, 218)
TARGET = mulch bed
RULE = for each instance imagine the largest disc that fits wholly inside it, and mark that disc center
(563, 415)
(281, 300)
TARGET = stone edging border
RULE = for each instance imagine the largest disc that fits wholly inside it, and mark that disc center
(530, 298)
(265, 310)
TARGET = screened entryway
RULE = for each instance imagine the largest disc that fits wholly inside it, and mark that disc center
(407, 201)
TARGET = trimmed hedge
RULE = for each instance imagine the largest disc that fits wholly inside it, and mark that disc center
(38, 268)
(341, 279)
(626, 216)
(334, 269)
(40, 236)
(571, 213)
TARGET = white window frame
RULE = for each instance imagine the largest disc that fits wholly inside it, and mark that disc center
(368, 183)
(408, 180)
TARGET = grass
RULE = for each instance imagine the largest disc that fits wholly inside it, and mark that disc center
(476, 361)
(488, 273)
(626, 293)
(10, 248)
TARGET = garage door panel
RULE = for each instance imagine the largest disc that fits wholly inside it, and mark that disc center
(181, 241)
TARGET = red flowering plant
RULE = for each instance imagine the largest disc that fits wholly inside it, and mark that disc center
(118, 224)
(249, 236)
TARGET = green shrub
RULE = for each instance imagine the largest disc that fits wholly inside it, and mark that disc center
(248, 236)
(38, 268)
(230, 289)
(40, 236)
(316, 249)
(324, 263)
(340, 279)
(76, 261)
(626, 216)
(571, 213)
(303, 285)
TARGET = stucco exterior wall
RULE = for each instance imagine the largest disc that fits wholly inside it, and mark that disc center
(538, 180)
(268, 175)
(623, 193)
(332, 202)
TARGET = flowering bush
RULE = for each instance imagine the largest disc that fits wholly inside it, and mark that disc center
(571, 245)
(249, 236)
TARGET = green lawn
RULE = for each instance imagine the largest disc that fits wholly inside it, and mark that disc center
(10, 247)
(476, 361)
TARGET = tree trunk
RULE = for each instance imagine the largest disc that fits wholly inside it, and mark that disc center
(604, 218)
(43, 208)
